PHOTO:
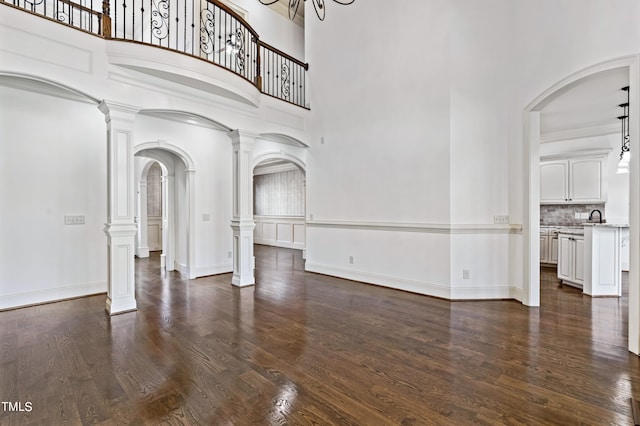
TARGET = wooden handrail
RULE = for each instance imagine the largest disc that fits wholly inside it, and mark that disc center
(235, 15)
(81, 7)
(281, 53)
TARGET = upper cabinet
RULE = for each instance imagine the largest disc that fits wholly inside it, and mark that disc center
(573, 181)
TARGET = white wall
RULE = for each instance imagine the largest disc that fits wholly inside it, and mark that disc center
(52, 164)
(274, 28)
(426, 126)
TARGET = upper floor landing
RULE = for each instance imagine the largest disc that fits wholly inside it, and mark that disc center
(202, 44)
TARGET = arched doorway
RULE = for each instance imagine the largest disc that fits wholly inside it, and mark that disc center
(531, 293)
(177, 193)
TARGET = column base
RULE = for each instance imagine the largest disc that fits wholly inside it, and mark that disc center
(243, 281)
(120, 306)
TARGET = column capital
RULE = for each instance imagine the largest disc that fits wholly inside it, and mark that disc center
(242, 137)
(120, 229)
(113, 110)
(242, 225)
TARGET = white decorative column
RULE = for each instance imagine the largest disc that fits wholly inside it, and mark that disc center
(190, 179)
(242, 222)
(168, 222)
(120, 227)
(143, 240)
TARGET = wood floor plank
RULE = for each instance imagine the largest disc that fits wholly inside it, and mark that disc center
(307, 349)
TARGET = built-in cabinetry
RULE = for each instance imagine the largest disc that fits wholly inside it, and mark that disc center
(549, 246)
(571, 259)
(576, 180)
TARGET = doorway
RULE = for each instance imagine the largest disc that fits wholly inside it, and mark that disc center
(532, 138)
(165, 206)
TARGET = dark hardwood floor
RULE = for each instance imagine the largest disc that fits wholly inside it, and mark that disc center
(302, 349)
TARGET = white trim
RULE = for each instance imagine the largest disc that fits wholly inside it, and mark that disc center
(279, 155)
(56, 294)
(582, 133)
(442, 291)
(420, 287)
(283, 244)
(419, 227)
(222, 268)
(182, 269)
(579, 154)
(268, 170)
(166, 146)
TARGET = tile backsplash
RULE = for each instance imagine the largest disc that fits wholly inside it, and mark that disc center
(564, 214)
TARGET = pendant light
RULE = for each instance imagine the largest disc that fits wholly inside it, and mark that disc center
(623, 164)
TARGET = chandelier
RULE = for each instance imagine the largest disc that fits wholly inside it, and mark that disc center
(318, 5)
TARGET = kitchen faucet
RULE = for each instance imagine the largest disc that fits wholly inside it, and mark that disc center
(599, 214)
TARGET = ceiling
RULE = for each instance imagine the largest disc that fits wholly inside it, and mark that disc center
(590, 108)
(282, 7)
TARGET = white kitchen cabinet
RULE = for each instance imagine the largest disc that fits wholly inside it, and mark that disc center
(576, 180)
(553, 248)
(544, 248)
(549, 247)
(554, 181)
(571, 259)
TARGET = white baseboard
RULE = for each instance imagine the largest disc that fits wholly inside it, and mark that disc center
(481, 293)
(413, 286)
(142, 252)
(16, 300)
(516, 293)
(420, 287)
(275, 243)
(203, 271)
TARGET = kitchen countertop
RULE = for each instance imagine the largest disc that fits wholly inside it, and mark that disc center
(607, 225)
(572, 230)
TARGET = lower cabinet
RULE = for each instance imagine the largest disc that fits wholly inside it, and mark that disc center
(549, 248)
(571, 259)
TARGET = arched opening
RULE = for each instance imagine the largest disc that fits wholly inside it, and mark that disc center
(279, 202)
(532, 142)
(174, 222)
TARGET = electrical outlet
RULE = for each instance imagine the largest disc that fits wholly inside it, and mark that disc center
(351, 260)
(584, 215)
(311, 216)
(206, 217)
(322, 140)
(74, 220)
(230, 254)
(576, 215)
(501, 219)
(466, 274)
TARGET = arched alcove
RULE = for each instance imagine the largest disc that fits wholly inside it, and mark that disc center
(279, 204)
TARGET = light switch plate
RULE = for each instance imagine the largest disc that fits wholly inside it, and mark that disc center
(74, 220)
(501, 219)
